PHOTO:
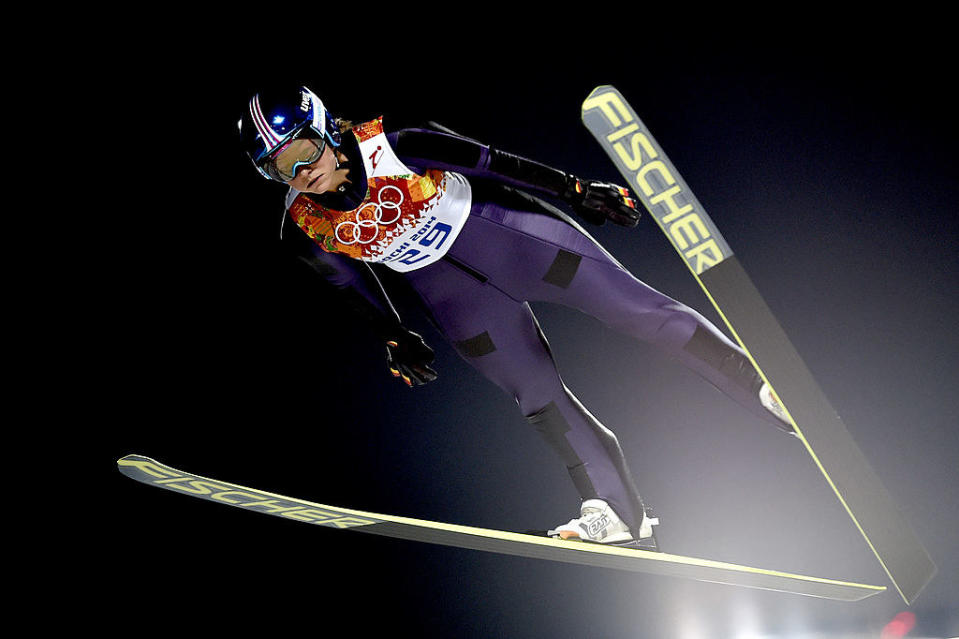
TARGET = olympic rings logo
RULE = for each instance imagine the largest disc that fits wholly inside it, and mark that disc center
(357, 228)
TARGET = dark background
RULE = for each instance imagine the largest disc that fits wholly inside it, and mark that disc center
(827, 161)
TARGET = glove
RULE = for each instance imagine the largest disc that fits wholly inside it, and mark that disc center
(597, 202)
(409, 358)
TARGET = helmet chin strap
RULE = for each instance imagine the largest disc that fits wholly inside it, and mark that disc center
(336, 158)
(345, 164)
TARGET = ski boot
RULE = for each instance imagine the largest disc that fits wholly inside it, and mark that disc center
(598, 523)
(771, 403)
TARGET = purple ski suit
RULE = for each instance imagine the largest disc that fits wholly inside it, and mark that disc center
(514, 249)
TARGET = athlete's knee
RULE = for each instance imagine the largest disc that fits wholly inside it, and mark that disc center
(563, 412)
(677, 324)
(530, 379)
(535, 397)
(648, 315)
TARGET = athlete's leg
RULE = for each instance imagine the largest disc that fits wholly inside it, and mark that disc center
(501, 338)
(540, 258)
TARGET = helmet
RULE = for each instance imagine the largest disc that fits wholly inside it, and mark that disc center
(276, 119)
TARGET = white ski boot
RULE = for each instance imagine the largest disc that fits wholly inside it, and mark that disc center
(599, 523)
(771, 403)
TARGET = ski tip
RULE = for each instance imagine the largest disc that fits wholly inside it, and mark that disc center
(597, 90)
(608, 100)
(132, 459)
(602, 88)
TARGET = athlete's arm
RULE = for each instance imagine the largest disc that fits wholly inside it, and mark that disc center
(356, 287)
(593, 200)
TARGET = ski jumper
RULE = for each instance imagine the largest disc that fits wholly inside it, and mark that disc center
(504, 249)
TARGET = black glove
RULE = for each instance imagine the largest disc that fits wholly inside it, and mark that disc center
(409, 358)
(597, 202)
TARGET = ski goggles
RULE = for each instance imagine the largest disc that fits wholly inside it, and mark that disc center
(284, 162)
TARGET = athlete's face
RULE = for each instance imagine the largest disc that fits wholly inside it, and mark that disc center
(318, 177)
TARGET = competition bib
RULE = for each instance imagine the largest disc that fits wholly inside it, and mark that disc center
(406, 221)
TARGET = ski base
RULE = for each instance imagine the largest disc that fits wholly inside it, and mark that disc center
(151, 472)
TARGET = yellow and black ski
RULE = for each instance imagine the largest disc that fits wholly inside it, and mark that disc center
(678, 213)
(151, 472)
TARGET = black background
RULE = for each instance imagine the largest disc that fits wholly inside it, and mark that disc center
(825, 157)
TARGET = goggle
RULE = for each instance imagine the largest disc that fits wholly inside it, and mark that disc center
(283, 164)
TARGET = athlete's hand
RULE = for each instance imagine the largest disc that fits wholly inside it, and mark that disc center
(597, 202)
(409, 358)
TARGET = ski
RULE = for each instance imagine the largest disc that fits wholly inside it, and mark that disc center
(154, 473)
(667, 197)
